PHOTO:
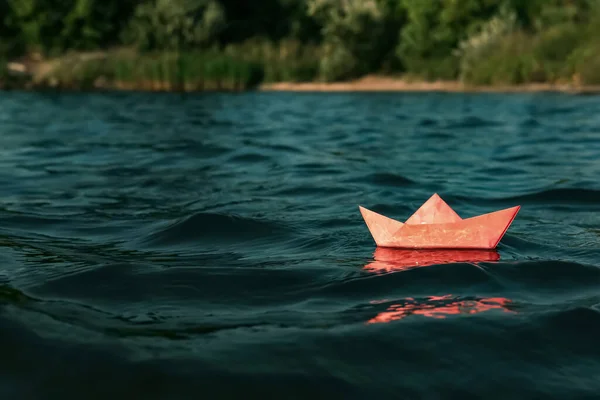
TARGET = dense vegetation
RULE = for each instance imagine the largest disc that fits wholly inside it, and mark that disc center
(199, 44)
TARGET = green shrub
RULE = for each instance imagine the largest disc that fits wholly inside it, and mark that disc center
(509, 62)
(288, 60)
(553, 47)
(584, 64)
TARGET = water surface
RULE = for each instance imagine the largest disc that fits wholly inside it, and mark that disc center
(162, 246)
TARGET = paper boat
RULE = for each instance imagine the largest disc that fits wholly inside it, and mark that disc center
(435, 225)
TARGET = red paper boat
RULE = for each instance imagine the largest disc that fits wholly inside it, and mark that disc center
(436, 226)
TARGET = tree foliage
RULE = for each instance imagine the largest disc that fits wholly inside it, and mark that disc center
(434, 29)
(54, 26)
(355, 35)
(174, 24)
(433, 39)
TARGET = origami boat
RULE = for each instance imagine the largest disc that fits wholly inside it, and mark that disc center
(435, 225)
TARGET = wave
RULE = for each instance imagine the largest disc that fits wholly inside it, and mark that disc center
(426, 122)
(313, 191)
(576, 321)
(563, 196)
(387, 179)
(534, 278)
(249, 158)
(470, 122)
(203, 228)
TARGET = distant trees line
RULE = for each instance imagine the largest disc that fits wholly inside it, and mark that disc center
(477, 41)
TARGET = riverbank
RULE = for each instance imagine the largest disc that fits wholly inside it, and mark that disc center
(376, 83)
(127, 71)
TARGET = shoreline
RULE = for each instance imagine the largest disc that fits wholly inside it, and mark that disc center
(64, 74)
(398, 86)
(38, 77)
(387, 84)
(383, 86)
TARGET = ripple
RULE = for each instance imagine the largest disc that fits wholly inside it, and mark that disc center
(428, 122)
(202, 228)
(502, 172)
(386, 179)
(470, 122)
(548, 197)
(516, 157)
(439, 136)
(563, 196)
(311, 191)
(249, 158)
(530, 123)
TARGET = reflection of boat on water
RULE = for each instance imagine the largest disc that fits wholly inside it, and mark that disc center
(438, 307)
(435, 225)
(388, 260)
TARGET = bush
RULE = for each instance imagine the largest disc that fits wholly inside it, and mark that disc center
(476, 51)
(502, 54)
(584, 65)
(288, 60)
(509, 62)
(553, 47)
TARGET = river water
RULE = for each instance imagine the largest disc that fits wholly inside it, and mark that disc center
(166, 246)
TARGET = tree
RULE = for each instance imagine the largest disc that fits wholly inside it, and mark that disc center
(175, 24)
(434, 29)
(53, 26)
(356, 35)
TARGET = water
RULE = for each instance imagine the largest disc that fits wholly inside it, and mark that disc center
(171, 247)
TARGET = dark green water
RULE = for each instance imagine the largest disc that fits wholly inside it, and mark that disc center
(210, 246)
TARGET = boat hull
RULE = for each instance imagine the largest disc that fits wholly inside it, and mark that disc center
(480, 232)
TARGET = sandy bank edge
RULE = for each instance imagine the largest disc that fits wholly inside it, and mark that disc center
(383, 84)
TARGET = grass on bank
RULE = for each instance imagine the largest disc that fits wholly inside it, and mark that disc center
(156, 71)
(287, 61)
(234, 68)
